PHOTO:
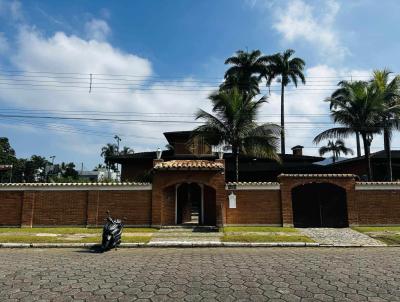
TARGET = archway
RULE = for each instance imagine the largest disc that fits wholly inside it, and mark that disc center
(319, 205)
(195, 204)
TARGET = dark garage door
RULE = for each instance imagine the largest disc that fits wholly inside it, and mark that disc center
(319, 205)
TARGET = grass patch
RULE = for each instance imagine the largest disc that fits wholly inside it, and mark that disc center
(71, 230)
(377, 229)
(259, 229)
(51, 239)
(265, 238)
(135, 239)
(388, 234)
(389, 239)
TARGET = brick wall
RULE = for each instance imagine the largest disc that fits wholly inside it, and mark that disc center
(378, 207)
(73, 206)
(367, 204)
(255, 207)
(10, 208)
(59, 208)
(134, 207)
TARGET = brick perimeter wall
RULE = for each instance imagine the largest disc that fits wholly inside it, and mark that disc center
(51, 208)
(60, 208)
(378, 207)
(75, 208)
(11, 208)
(255, 207)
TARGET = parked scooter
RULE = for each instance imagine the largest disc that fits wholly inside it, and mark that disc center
(112, 232)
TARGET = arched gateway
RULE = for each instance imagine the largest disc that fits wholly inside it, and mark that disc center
(195, 204)
(319, 205)
(188, 192)
(318, 200)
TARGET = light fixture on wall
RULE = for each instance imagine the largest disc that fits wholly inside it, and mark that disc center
(159, 152)
(221, 154)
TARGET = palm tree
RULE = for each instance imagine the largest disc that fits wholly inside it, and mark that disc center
(339, 98)
(244, 74)
(389, 94)
(336, 147)
(233, 124)
(107, 151)
(289, 70)
(360, 114)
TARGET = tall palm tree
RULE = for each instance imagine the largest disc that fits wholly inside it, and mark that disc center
(289, 70)
(336, 147)
(360, 114)
(339, 98)
(233, 123)
(244, 74)
(389, 93)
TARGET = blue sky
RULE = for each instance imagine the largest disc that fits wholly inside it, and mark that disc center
(173, 52)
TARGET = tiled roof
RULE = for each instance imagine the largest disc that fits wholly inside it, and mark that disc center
(318, 175)
(257, 183)
(189, 165)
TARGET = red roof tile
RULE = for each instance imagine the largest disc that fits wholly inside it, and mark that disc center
(189, 165)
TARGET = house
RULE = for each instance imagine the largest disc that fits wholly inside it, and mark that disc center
(357, 166)
(137, 166)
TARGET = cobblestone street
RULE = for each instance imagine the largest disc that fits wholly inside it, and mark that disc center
(230, 274)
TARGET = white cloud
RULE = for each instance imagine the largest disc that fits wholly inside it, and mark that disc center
(61, 53)
(300, 21)
(97, 29)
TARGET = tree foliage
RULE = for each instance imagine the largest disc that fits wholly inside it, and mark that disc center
(336, 147)
(233, 123)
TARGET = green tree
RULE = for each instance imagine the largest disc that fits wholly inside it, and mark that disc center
(108, 151)
(389, 94)
(244, 74)
(7, 157)
(33, 166)
(233, 123)
(339, 98)
(289, 70)
(336, 147)
(359, 114)
(68, 171)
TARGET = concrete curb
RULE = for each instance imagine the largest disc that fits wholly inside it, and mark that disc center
(176, 244)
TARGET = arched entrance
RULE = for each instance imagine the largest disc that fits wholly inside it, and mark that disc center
(195, 204)
(319, 205)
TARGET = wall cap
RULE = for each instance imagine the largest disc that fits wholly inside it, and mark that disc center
(317, 176)
(252, 186)
(75, 186)
(378, 185)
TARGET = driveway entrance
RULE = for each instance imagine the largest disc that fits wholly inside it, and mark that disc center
(319, 205)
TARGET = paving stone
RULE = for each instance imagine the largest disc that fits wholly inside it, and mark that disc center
(340, 237)
(220, 274)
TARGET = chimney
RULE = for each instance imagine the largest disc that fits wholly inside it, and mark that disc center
(297, 150)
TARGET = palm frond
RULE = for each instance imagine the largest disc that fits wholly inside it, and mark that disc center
(338, 132)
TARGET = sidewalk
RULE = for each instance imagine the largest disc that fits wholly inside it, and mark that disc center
(176, 237)
(340, 237)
